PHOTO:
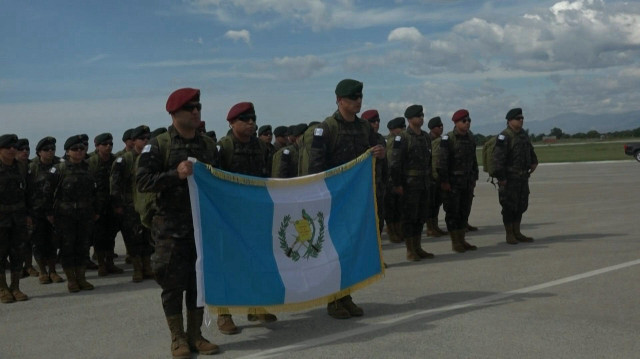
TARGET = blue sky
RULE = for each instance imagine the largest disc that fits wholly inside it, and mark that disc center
(69, 67)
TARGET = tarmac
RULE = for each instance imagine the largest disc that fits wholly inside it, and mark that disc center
(573, 293)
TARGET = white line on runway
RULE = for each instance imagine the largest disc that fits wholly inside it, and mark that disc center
(414, 316)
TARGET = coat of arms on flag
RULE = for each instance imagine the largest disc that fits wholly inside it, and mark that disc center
(284, 244)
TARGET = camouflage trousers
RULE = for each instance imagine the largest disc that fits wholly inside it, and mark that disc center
(514, 199)
(104, 232)
(43, 238)
(13, 238)
(174, 268)
(392, 207)
(435, 200)
(137, 237)
(457, 206)
(415, 210)
(75, 236)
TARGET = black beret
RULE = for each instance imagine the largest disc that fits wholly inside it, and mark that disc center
(84, 137)
(290, 130)
(413, 111)
(211, 134)
(397, 122)
(348, 87)
(263, 129)
(157, 131)
(434, 122)
(73, 140)
(103, 137)
(299, 129)
(140, 131)
(280, 131)
(513, 113)
(313, 123)
(7, 141)
(181, 96)
(22, 143)
(127, 135)
(47, 141)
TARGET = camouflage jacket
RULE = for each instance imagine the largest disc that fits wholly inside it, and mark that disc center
(458, 164)
(513, 160)
(410, 162)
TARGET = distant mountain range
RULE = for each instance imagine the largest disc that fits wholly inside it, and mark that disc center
(571, 123)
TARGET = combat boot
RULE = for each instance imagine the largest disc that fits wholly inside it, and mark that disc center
(111, 267)
(262, 318)
(351, 307)
(43, 278)
(5, 293)
(399, 235)
(72, 281)
(138, 276)
(179, 344)
(431, 232)
(102, 264)
(15, 287)
(438, 229)
(336, 310)
(519, 236)
(194, 334)
(55, 278)
(392, 232)
(471, 228)
(467, 246)
(457, 245)
(226, 324)
(147, 272)
(418, 247)
(82, 280)
(511, 238)
(412, 255)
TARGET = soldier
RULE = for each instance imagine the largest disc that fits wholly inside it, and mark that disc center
(304, 148)
(340, 138)
(266, 135)
(107, 226)
(154, 133)
(23, 156)
(382, 168)
(14, 217)
(44, 246)
(212, 135)
(458, 173)
(280, 134)
(514, 161)
(122, 189)
(72, 209)
(285, 160)
(163, 168)
(410, 168)
(435, 131)
(241, 152)
(392, 201)
(128, 143)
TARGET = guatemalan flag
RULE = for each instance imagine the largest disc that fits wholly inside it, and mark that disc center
(284, 244)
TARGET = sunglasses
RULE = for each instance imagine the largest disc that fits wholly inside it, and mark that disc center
(48, 148)
(374, 120)
(247, 118)
(354, 97)
(465, 120)
(519, 118)
(144, 138)
(190, 106)
(106, 144)
(75, 148)
(267, 134)
(24, 149)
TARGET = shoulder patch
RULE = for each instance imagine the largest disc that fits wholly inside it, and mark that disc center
(501, 137)
(398, 138)
(218, 147)
(146, 149)
(119, 160)
(285, 152)
(318, 132)
(52, 170)
(445, 137)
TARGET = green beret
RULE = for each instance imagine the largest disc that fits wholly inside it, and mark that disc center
(22, 143)
(84, 137)
(348, 87)
(313, 123)
(413, 111)
(280, 131)
(434, 122)
(47, 141)
(157, 131)
(140, 132)
(299, 129)
(73, 140)
(397, 122)
(103, 137)
(8, 141)
(513, 113)
(263, 129)
(211, 134)
(127, 135)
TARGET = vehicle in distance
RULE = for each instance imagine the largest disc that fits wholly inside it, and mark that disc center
(633, 149)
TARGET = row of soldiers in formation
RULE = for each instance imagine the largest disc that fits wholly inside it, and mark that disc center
(87, 199)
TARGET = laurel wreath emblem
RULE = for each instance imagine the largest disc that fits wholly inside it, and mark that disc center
(310, 248)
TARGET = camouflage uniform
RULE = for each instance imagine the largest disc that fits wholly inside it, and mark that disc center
(435, 199)
(247, 158)
(410, 168)
(382, 178)
(14, 209)
(458, 166)
(172, 226)
(392, 203)
(513, 157)
(285, 162)
(106, 227)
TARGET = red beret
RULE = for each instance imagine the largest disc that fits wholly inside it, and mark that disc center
(239, 109)
(370, 115)
(181, 96)
(459, 115)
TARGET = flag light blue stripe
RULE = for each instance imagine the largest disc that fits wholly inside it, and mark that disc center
(240, 235)
(357, 245)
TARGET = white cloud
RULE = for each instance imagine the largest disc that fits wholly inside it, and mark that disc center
(410, 34)
(299, 67)
(243, 35)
